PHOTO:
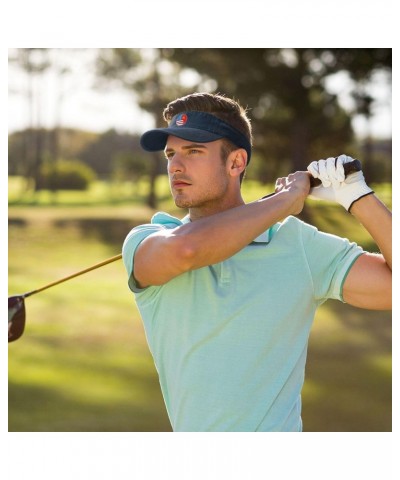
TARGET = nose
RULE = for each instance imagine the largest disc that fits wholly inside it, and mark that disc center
(175, 163)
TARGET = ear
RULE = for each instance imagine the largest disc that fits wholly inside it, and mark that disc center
(237, 161)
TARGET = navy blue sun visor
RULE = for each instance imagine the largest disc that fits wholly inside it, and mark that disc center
(195, 126)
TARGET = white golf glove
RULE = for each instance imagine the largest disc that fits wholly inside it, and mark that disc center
(335, 187)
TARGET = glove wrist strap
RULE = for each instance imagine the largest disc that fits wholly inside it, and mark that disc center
(359, 198)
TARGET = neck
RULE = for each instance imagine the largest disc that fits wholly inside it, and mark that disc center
(206, 210)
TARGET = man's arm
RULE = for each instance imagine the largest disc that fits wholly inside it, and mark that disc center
(206, 241)
(369, 282)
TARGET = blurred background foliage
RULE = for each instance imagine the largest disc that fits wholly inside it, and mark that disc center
(295, 118)
(83, 363)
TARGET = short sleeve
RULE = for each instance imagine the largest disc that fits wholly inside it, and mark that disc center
(330, 259)
(159, 221)
(132, 241)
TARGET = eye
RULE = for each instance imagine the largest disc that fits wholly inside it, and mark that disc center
(169, 155)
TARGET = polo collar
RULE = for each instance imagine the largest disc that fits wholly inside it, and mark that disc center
(265, 237)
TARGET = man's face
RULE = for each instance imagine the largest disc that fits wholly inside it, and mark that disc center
(197, 175)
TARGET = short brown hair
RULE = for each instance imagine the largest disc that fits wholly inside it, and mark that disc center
(224, 108)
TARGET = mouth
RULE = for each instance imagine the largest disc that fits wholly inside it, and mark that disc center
(180, 184)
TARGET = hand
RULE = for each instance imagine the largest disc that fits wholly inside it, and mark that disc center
(335, 187)
(298, 185)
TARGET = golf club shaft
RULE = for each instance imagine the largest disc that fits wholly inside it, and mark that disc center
(98, 265)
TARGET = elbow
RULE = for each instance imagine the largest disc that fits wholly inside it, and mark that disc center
(185, 253)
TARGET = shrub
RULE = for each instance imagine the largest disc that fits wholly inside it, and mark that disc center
(66, 175)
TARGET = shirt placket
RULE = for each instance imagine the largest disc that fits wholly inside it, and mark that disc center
(225, 274)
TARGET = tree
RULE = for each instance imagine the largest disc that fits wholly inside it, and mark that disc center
(153, 81)
(33, 62)
(295, 118)
(362, 65)
(99, 153)
(40, 144)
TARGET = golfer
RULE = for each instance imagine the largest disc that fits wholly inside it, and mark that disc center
(228, 293)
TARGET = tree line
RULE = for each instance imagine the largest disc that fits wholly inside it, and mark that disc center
(295, 117)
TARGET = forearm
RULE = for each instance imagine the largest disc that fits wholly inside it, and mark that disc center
(215, 238)
(377, 220)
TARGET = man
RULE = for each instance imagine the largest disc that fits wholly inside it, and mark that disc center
(228, 294)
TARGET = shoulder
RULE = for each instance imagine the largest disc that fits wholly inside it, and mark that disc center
(166, 220)
(291, 228)
(159, 221)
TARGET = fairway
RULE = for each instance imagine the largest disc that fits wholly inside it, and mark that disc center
(83, 363)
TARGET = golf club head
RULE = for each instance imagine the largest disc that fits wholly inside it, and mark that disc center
(16, 317)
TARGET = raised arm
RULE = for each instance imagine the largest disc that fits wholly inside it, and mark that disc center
(209, 240)
(369, 282)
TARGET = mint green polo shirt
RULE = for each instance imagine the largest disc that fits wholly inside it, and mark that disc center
(229, 341)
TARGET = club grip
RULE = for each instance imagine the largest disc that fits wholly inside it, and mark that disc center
(350, 167)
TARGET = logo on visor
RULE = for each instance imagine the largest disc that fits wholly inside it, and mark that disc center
(182, 119)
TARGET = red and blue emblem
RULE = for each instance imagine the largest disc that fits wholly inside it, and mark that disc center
(181, 119)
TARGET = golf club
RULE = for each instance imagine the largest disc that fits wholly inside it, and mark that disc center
(16, 303)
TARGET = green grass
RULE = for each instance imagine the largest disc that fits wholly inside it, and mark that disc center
(83, 362)
(100, 193)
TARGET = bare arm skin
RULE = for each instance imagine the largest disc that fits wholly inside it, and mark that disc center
(369, 282)
(209, 240)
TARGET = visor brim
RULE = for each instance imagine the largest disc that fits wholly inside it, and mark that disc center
(156, 140)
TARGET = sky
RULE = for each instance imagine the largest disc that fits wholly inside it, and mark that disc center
(77, 102)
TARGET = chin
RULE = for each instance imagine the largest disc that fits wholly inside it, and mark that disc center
(180, 203)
